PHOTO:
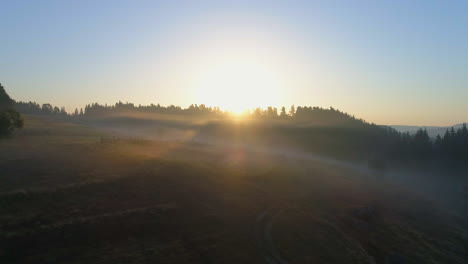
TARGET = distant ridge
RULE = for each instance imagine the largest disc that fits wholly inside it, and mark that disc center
(432, 131)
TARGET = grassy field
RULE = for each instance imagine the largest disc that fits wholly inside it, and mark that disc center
(67, 196)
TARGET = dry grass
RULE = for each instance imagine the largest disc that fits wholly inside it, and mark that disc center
(67, 198)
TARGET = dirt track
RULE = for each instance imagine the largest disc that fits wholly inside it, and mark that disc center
(263, 237)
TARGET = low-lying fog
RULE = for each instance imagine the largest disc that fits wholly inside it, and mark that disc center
(445, 187)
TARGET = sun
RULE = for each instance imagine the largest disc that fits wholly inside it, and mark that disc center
(238, 84)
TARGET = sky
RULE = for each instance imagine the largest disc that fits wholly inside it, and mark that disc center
(389, 62)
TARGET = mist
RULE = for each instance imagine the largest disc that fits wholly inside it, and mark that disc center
(202, 132)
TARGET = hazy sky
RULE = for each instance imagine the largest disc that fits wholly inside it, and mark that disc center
(389, 62)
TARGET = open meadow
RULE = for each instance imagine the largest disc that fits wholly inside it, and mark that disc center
(77, 193)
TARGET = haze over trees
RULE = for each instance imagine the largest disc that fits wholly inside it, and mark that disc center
(311, 115)
(323, 130)
(327, 133)
(145, 181)
(37, 109)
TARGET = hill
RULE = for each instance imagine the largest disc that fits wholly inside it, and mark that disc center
(73, 193)
(432, 131)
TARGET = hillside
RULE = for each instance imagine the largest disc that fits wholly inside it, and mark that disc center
(114, 200)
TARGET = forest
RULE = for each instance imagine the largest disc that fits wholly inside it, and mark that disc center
(346, 135)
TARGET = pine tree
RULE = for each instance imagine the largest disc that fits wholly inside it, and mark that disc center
(438, 142)
(292, 111)
(283, 112)
(421, 142)
(63, 111)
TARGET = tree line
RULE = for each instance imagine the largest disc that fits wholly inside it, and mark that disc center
(452, 146)
(320, 116)
(356, 135)
(37, 109)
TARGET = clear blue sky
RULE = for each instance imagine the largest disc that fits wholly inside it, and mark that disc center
(389, 62)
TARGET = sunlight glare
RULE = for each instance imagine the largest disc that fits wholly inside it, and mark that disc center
(238, 84)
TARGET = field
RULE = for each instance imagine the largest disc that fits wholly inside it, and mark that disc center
(75, 193)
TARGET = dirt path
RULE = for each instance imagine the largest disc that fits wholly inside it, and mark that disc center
(264, 239)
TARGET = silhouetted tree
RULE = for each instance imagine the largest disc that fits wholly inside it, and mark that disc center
(421, 143)
(283, 114)
(10, 119)
(271, 112)
(438, 143)
(56, 110)
(63, 111)
(292, 111)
